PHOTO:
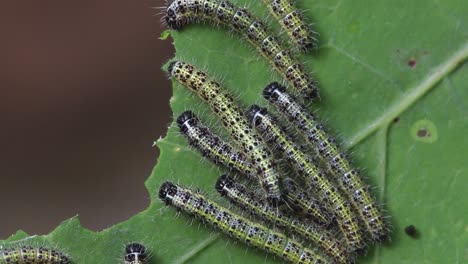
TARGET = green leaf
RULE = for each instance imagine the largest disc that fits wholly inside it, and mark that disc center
(394, 88)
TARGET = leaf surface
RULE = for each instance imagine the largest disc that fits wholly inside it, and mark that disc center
(394, 89)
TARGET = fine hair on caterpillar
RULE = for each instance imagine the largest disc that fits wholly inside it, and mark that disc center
(349, 178)
(236, 226)
(248, 201)
(293, 22)
(223, 105)
(182, 12)
(29, 254)
(328, 194)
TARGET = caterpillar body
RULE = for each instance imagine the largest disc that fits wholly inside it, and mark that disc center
(292, 21)
(182, 12)
(212, 146)
(232, 118)
(327, 192)
(135, 253)
(33, 255)
(221, 152)
(348, 177)
(236, 226)
(247, 200)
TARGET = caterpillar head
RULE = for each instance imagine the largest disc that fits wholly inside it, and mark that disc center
(223, 182)
(135, 253)
(253, 112)
(167, 191)
(185, 119)
(272, 90)
(175, 17)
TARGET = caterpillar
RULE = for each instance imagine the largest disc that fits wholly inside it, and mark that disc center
(28, 254)
(236, 226)
(248, 201)
(221, 152)
(292, 21)
(349, 178)
(135, 253)
(181, 12)
(232, 118)
(212, 146)
(329, 195)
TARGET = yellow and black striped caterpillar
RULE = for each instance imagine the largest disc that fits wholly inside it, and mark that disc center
(178, 13)
(32, 255)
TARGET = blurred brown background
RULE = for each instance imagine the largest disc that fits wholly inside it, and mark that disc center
(82, 98)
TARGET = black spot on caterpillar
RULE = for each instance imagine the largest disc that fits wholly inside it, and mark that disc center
(236, 226)
(222, 103)
(348, 177)
(28, 254)
(182, 12)
(248, 201)
(292, 21)
(327, 192)
(135, 253)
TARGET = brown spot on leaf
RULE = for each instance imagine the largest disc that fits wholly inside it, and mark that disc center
(412, 62)
(423, 133)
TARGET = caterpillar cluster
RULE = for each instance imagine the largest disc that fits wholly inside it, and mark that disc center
(222, 153)
(236, 226)
(32, 255)
(178, 13)
(332, 197)
(257, 159)
(348, 178)
(238, 194)
(327, 192)
(222, 103)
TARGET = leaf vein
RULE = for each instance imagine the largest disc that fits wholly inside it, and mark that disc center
(412, 95)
